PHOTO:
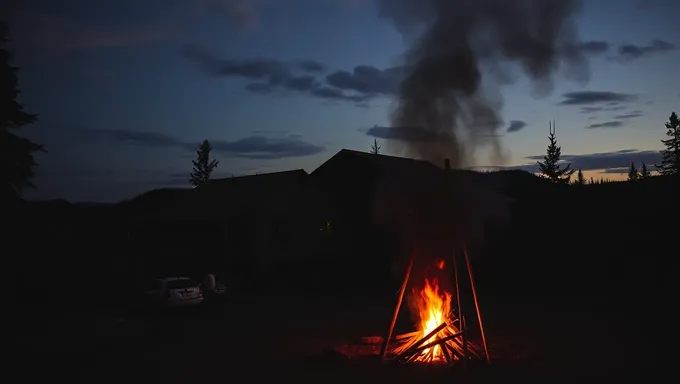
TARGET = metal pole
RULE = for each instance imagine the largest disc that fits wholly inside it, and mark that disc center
(474, 296)
(386, 341)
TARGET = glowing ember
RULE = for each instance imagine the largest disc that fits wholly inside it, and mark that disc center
(433, 310)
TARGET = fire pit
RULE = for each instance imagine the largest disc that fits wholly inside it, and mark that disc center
(441, 335)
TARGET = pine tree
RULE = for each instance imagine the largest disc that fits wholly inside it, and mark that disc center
(580, 180)
(633, 174)
(203, 166)
(644, 172)
(670, 157)
(16, 153)
(550, 169)
(375, 148)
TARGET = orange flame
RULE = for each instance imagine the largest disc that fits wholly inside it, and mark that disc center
(433, 310)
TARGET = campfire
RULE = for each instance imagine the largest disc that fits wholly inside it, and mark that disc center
(442, 333)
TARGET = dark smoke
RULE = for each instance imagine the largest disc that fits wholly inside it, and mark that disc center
(462, 52)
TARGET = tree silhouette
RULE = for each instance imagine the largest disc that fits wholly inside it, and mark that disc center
(644, 172)
(550, 169)
(670, 157)
(375, 148)
(203, 166)
(16, 153)
(633, 174)
(580, 180)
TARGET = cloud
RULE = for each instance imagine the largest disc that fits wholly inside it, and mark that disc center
(367, 80)
(623, 53)
(630, 52)
(269, 76)
(587, 110)
(260, 147)
(606, 124)
(253, 147)
(516, 125)
(630, 115)
(596, 97)
(600, 161)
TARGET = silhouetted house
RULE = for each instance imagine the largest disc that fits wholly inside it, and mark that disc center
(374, 194)
(231, 225)
(267, 218)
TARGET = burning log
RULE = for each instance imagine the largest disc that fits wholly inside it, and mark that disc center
(441, 342)
(447, 354)
(444, 325)
(407, 335)
(423, 340)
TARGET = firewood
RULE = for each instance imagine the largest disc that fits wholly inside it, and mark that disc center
(445, 351)
(454, 351)
(423, 340)
(439, 341)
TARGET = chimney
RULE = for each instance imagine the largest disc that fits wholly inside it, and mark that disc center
(447, 164)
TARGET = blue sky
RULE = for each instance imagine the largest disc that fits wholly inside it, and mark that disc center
(124, 92)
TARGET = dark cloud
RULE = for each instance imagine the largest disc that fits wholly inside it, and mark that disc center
(516, 125)
(253, 147)
(630, 115)
(148, 139)
(311, 66)
(606, 124)
(260, 147)
(600, 161)
(270, 76)
(623, 53)
(587, 110)
(596, 97)
(630, 52)
(368, 80)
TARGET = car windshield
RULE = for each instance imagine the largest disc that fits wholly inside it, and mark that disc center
(182, 283)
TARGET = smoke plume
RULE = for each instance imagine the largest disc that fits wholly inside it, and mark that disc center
(462, 52)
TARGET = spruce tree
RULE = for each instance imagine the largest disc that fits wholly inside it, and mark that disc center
(550, 169)
(580, 180)
(375, 148)
(670, 156)
(644, 172)
(16, 153)
(203, 166)
(633, 173)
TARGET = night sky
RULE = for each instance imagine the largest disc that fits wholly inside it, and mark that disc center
(126, 89)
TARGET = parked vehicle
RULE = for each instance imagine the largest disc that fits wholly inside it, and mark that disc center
(175, 291)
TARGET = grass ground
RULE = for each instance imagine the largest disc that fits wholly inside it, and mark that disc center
(260, 340)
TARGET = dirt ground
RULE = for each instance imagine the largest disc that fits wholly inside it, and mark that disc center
(250, 340)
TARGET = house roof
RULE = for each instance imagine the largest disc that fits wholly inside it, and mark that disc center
(409, 169)
(386, 165)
